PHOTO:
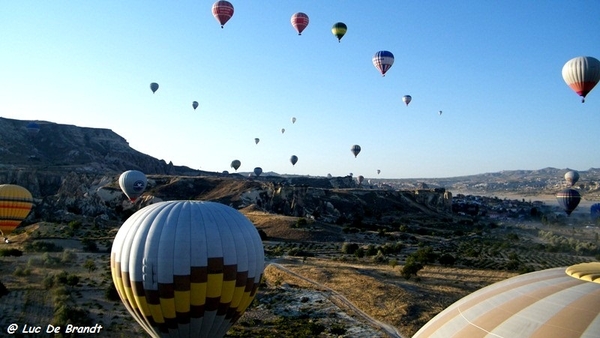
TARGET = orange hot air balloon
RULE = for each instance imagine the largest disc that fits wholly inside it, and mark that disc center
(222, 11)
(299, 21)
(582, 74)
(15, 205)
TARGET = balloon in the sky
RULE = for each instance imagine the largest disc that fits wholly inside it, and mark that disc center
(222, 11)
(187, 268)
(256, 140)
(195, 105)
(440, 112)
(568, 199)
(383, 61)
(571, 176)
(133, 183)
(581, 74)
(282, 130)
(294, 159)
(235, 164)
(355, 149)
(378, 171)
(32, 128)
(154, 87)
(360, 179)
(299, 21)
(329, 176)
(406, 99)
(257, 171)
(339, 29)
(15, 204)
(293, 120)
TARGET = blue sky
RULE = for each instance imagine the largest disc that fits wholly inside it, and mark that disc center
(492, 67)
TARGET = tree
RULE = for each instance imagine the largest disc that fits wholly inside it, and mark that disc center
(411, 267)
(90, 265)
(447, 260)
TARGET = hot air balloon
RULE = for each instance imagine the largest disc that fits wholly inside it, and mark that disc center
(378, 171)
(235, 164)
(195, 105)
(568, 199)
(339, 29)
(154, 87)
(360, 179)
(355, 149)
(294, 159)
(440, 112)
(571, 177)
(282, 130)
(383, 61)
(222, 11)
(581, 74)
(299, 21)
(595, 211)
(133, 183)
(257, 171)
(187, 268)
(406, 99)
(256, 140)
(15, 204)
(32, 128)
(329, 176)
(293, 120)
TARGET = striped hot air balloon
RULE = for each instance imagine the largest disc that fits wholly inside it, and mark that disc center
(15, 205)
(582, 74)
(383, 61)
(339, 29)
(568, 199)
(299, 21)
(222, 11)
(355, 150)
(548, 303)
(187, 268)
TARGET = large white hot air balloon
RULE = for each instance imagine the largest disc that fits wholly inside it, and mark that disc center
(187, 268)
(406, 99)
(582, 74)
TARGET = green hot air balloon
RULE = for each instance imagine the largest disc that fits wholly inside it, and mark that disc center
(235, 164)
(339, 29)
(187, 268)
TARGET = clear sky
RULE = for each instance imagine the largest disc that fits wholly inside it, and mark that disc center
(492, 67)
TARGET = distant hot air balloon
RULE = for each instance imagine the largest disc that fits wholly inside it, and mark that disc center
(133, 183)
(293, 120)
(187, 268)
(195, 105)
(581, 74)
(282, 130)
(15, 205)
(360, 179)
(378, 171)
(440, 112)
(154, 87)
(595, 211)
(406, 99)
(257, 171)
(33, 128)
(235, 164)
(222, 11)
(329, 176)
(383, 61)
(256, 140)
(294, 159)
(299, 21)
(339, 29)
(568, 199)
(355, 149)
(571, 177)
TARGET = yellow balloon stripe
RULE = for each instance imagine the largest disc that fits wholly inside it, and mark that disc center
(215, 285)
(227, 291)
(182, 301)
(198, 293)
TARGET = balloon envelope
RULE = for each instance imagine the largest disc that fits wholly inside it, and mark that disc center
(257, 171)
(571, 177)
(187, 268)
(378, 171)
(195, 105)
(595, 211)
(222, 11)
(133, 183)
(282, 130)
(355, 150)
(568, 199)
(581, 74)
(293, 120)
(235, 164)
(294, 159)
(299, 21)
(360, 179)
(15, 205)
(256, 140)
(154, 87)
(383, 61)
(406, 99)
(339, 29)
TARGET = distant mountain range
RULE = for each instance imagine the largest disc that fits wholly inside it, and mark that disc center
(60, 147)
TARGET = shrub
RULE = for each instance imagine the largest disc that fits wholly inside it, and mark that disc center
(11, 252)
(412, 267)
(447, 260)
(41, 246)
(349, 248)
(89, 245)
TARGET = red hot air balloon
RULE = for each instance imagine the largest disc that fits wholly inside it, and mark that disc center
(299, 21)
(582, 74)
(222, 11)
(383, 61)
